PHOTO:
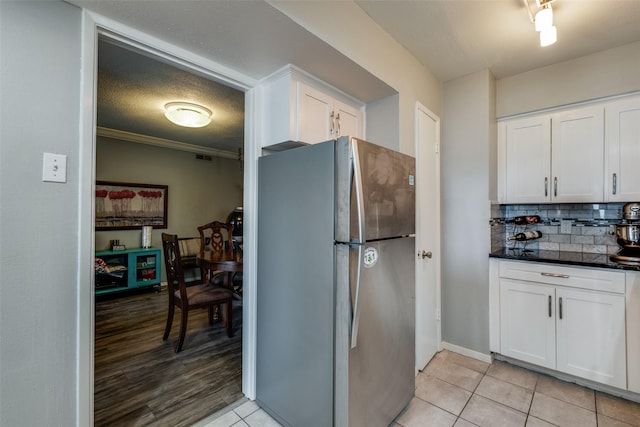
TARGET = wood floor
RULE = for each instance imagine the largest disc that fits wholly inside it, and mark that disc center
(140, 380)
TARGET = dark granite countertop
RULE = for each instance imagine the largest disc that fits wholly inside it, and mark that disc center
(560, 257)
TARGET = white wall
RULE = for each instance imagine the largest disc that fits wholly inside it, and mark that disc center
(39, 112)
(199, 191)
(610, 72)
(468, 143)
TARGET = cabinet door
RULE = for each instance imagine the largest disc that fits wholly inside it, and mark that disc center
(622, 141)
(591, 336)
(315, 120)
(348, 120)
(526, 160)
(577, 156)
(527, 322)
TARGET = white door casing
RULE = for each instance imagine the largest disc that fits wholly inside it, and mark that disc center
(428, 253)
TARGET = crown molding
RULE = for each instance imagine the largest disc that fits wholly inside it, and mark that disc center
(161, 142)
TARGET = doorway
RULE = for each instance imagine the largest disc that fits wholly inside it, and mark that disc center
(135, 161)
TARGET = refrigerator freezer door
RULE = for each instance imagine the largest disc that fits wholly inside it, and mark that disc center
(295, 286)
(383, 186)
(382, 363)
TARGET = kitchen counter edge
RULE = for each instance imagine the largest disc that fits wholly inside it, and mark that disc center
(561, 257)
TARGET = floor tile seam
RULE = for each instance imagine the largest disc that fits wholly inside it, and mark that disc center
(444, 380)
(570, 403)
(470, 368)
(473, 393)
(502, 404)
(541, 419)
(511, 382)
(613, 417)
(441, 408)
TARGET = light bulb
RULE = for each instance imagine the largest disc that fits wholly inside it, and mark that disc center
(544, 19)
(548, 36)
(187, 114)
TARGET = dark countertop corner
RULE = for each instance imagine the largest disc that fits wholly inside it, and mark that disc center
(561, 257)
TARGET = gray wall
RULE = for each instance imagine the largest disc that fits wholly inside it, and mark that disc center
(606, 73)
(199, 191)
(468, 143)
(39, 112)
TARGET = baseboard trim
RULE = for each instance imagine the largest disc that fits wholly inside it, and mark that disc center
(467, 352)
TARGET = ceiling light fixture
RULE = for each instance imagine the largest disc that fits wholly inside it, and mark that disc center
(187, 114)
(543, 22)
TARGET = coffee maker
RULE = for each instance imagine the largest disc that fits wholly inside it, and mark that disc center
(628, 235)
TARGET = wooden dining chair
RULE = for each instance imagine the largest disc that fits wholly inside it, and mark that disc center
(203, 295)
(220, 237)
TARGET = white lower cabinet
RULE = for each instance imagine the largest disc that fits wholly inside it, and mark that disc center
(546, 319)
(590, 336)
(526, 325)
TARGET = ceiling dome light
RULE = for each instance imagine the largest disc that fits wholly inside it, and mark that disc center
(544, 19)
(187, 114)
(548, 36)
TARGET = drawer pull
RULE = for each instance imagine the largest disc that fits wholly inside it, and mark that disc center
(562, 276)
(549, 305)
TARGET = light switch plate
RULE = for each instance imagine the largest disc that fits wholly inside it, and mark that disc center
(565, 226)
(54, 167)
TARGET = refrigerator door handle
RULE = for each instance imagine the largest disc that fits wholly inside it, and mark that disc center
(357, 177)
(355, 321)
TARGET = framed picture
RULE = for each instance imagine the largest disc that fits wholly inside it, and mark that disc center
(128, 206)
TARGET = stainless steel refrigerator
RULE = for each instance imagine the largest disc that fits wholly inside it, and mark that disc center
(335, 284)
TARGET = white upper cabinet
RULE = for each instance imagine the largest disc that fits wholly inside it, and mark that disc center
(524, 160)
(552, 157)
(622, 127)
(297, 107)
(322, 117)
(577, 155)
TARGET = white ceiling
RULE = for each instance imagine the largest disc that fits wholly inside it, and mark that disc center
(450, 37)
(457, 37)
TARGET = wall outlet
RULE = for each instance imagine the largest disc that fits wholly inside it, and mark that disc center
(565, 226)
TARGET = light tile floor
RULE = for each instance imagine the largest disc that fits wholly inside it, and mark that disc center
(455, 390)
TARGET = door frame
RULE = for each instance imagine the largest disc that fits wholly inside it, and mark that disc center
(94, 25)
(435, 246)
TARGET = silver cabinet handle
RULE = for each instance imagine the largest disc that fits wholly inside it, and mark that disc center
(615, 183)
(338, 125)
(546, 186)
(562, 276)
(555, 186)
(560, 307)
(331, 125)
(549, 305)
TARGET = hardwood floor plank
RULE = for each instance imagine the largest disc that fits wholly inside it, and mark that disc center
(139, 380)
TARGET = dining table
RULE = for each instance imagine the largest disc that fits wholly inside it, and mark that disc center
(229, 261)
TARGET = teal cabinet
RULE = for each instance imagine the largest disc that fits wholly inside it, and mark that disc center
(117, 271)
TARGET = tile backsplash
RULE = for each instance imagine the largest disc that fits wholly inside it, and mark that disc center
(592, 227)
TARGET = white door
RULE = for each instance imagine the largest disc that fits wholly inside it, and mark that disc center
(427, 236)
(591, 336)
(527, 322)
